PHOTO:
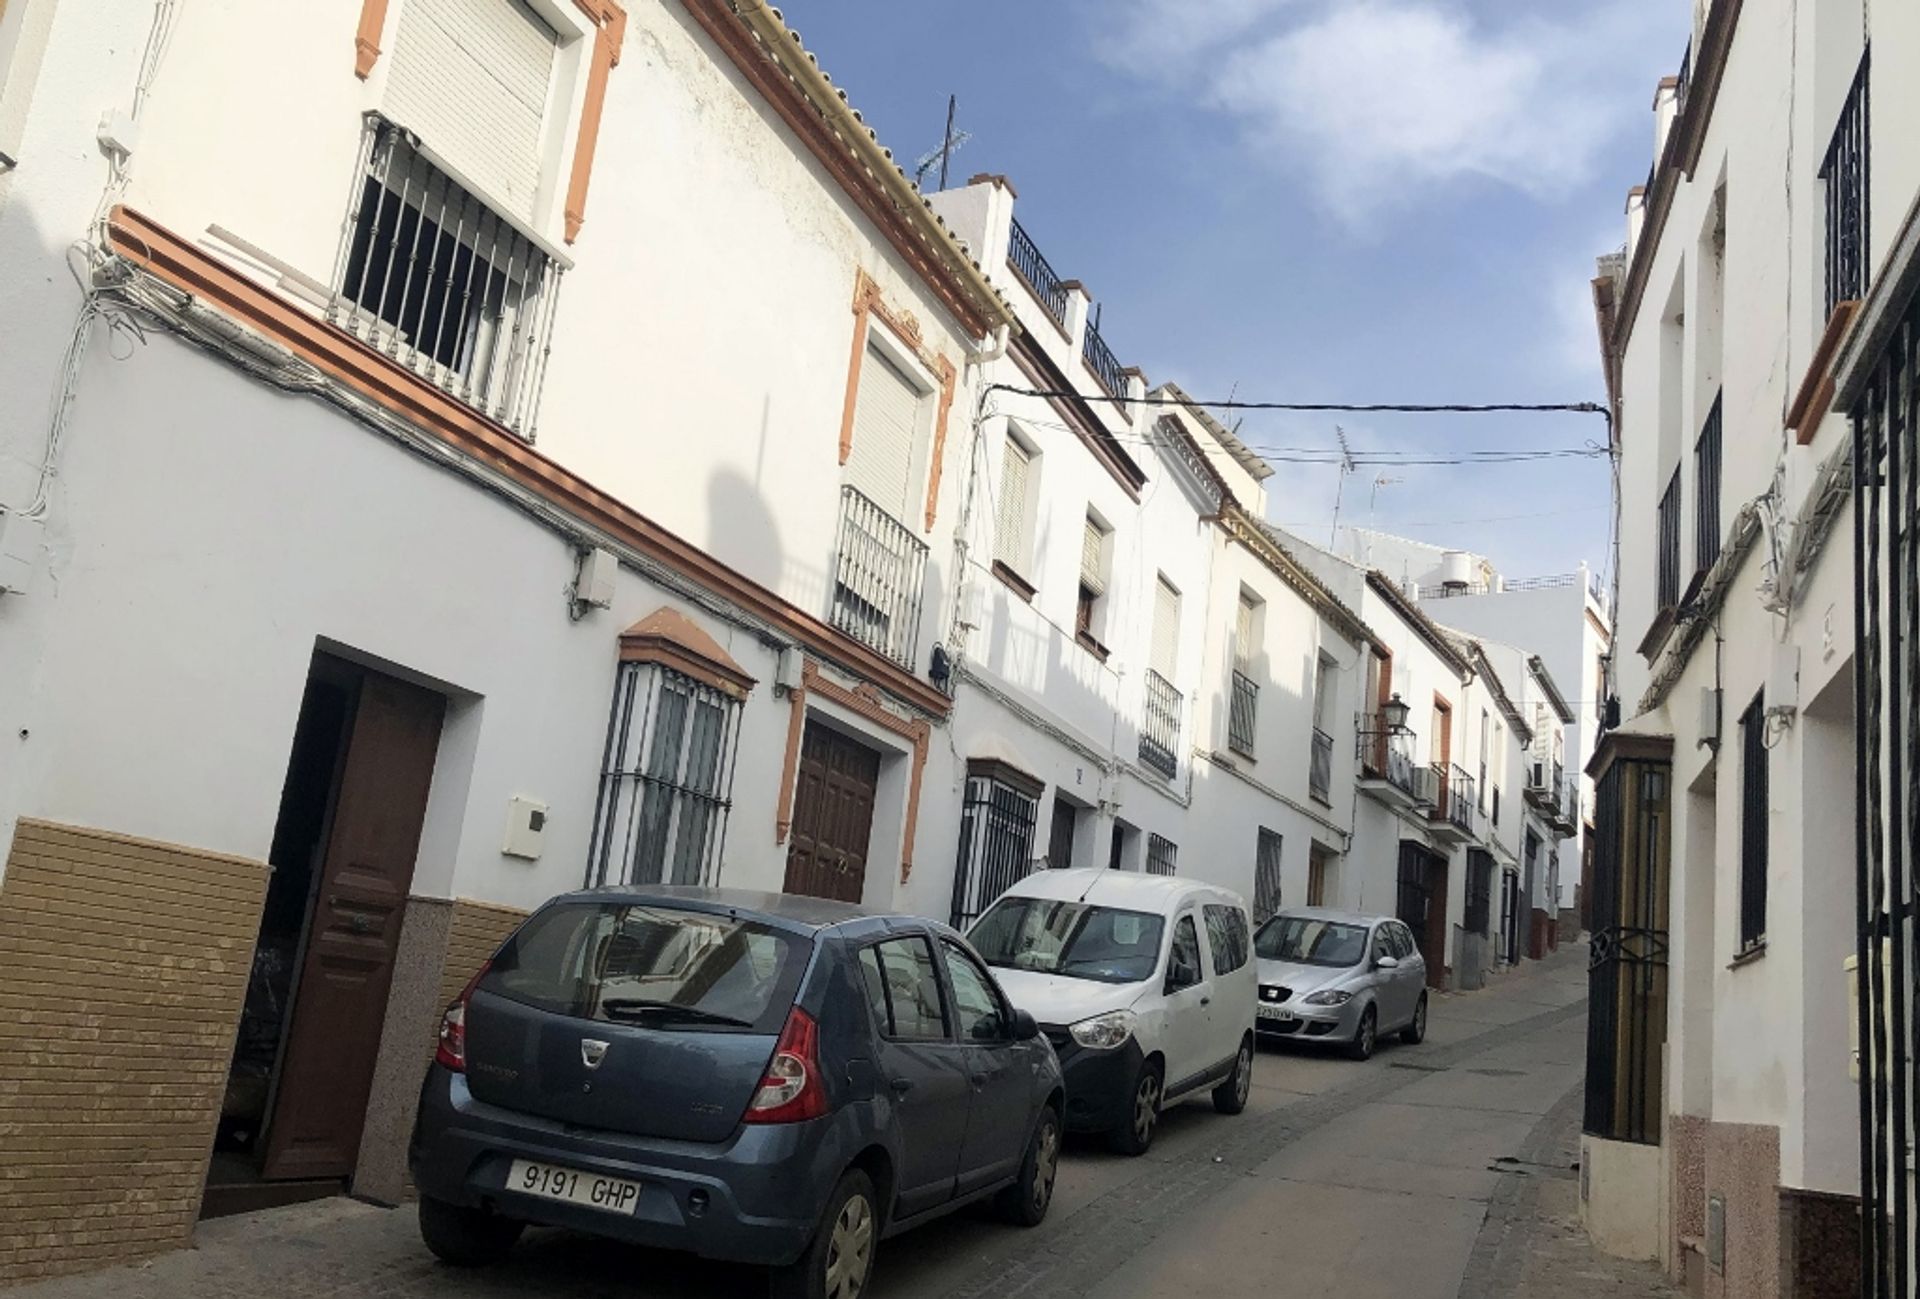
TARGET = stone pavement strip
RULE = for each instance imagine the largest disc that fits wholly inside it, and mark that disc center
(1443, 1170)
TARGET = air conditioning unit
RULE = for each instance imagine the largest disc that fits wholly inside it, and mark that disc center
(1536, 775)
(1426, 785)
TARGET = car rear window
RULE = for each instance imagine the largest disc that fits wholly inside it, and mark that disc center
(657, 966)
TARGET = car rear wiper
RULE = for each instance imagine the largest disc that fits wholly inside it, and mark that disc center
(635, 1007)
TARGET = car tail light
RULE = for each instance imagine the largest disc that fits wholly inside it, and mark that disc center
(452, 1051)
(791, 1089)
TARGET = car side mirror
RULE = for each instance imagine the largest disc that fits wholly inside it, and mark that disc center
(1387, 963)
(1025, 1026)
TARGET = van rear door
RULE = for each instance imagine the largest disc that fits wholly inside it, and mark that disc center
(646, 1019)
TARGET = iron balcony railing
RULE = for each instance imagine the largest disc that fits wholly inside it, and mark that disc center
(1243, 711)
(879, 572)
(1385, 754)
(430, 275)
(1846, 174)
(1706, 491)
(1160, 729)
(1101, 360)
(1455, 802)
(1669, 543)
(1320, 768)
(1025, 257)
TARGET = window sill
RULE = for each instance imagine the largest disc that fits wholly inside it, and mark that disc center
(1815, 394)
(1656, 637)
(1019, 585)
(1239, 752)
(1086, 642)
(1749, 954)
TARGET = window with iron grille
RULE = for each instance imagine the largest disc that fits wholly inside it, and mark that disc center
(1266, 876)
(665, 781)
(1753, 824)
(1160, 728)
(441, 282)
(1243, 698)
(997, 817)
(1706, 491)
(1846, 174)
(1160, 855)
(1479, 916)
(1669, 542)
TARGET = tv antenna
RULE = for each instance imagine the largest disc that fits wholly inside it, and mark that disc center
(949, 145)
(1347, 466)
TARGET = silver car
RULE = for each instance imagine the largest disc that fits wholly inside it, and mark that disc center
(1339, 976)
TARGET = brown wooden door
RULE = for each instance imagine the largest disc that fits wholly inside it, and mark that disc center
(832, 816)
(340, 1003)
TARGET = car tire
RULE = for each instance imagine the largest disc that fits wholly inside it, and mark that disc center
(838, 1262)
(1366, 1036)
(464, 1237)
(1025, 1203)
(1230, 1097)
(1416, 1030)
(1135, 1134)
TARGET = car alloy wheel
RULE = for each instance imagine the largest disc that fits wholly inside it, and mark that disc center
(850, 1249)
(1146, 1107)
(1243, 1074)
(1046, 1165)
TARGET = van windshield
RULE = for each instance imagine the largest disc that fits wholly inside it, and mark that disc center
(1080, 941)
(1304, 940)
(651, 965)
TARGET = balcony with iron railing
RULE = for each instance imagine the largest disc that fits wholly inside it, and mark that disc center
(1453, 810)
(441, 283)
(1100, 359)
(1039, 276)
(1667, 537)
(879, 572)
(1243, 713)
(1320, 767)
(1385, 765)
(1845, 173)
(1160, 727)
(1706, 491)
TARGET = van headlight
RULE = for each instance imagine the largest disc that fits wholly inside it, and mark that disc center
(1104, 1032)
(1329, 997)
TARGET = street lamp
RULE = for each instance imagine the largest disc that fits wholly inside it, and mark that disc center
(1395, 711)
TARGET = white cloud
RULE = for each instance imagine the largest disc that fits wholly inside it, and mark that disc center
(1378, 101)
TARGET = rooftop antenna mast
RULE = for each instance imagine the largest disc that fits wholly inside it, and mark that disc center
(1347, 466)
(950, 144)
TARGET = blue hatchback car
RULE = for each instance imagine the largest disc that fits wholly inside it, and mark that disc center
(752, 1077)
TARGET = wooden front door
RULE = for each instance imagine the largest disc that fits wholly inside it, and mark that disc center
(832, 816)
(340, 1002)
(1423, 905)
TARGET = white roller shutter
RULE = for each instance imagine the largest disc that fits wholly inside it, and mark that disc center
(1092, 542)
(886, 418)
(1011, 513)
(1166, 629)
(472, 78)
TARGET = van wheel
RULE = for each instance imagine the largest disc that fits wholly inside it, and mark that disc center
(1364, 1037)
(1025, 1203)
(1416, 1030)
(1230, 1097)
(838, 1262)
(466, 1237)
(1135, 1132)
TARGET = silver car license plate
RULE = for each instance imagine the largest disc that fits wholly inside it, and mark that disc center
(571, 1186)
(1276, 1014)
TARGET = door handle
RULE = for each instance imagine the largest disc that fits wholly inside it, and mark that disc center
(979, 1080)
(1206, 1001)
(901, 1086)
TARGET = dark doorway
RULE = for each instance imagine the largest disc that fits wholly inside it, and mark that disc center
(832, 816)
(1510, 917)
(1423, 905)
(1060, 834)
(343, 854)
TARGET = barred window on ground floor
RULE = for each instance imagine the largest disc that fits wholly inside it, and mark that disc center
(1160, 855)
(665, 781)
(1479, 916)
(1266, 876)
(998, 814)
(1753, 825)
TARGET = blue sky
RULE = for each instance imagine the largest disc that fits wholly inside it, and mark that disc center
(1316, 200)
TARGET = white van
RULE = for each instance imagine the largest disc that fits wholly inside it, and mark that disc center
(1145, 984)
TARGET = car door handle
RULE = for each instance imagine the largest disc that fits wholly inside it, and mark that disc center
(1206, 1001)
(980, 1080)
(901, 1086)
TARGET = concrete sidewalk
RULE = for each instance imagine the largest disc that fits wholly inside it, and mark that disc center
(1443, 1171)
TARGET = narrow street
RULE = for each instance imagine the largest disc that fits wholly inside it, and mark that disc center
(1430, 1172)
